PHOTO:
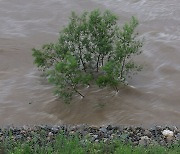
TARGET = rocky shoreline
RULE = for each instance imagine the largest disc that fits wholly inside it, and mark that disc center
(157, 135)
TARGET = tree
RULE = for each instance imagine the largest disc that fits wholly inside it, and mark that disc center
(91, 49)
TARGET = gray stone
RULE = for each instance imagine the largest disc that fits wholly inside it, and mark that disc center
(147, 133)
(109, 127)
(144, 141)
(95, 136)
(175, 129)
(154, 143)
(55, 130)
(50, 134)
(96, 140)
(72, 132)
(105, 140)
(135, 143)
(19, 136)
(178, 136)
(103, 129)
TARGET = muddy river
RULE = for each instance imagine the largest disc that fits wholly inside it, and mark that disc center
(153, 96)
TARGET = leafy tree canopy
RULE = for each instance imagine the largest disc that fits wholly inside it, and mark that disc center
(91, 49)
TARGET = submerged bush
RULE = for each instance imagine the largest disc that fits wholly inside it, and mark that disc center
(91, 49)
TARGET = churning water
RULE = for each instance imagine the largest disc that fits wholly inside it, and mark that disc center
(153, 96)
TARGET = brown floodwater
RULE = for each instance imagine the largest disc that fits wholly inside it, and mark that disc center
(152, 97)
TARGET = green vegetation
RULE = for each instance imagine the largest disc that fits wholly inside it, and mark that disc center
(63, 144)
(91, 49)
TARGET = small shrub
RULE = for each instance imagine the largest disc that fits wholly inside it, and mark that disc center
(91, 49)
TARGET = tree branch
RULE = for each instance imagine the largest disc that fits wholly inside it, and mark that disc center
(97, 64)
(102, 61)
(122, 68)
(80, 54)
(74, 87)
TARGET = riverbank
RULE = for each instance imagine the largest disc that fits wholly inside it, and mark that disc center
(46, 136)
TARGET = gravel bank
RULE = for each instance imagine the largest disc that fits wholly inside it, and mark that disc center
(157, 135)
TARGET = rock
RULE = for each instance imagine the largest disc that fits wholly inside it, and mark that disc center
(96, 141)
(109, 127)
(109, 132)
(93, 129)
(48, 128)
(139, 134)
(28, 138)
(41, 126)
(169, 140)
(178, 136)
(1, 138)
(162, 143)
(135, 143)
(73, 128)
(138, 129)
(159, 128)
(156, 131)
(95, 136)
(82, 126)
(167, 133)
(84, 133)
(113, 136)
(144, 141)
(23, 132)
(103, 129)
(72, 132)
(115, 128)
(147, 133)
(175, 129)
(50, 134)
(136, 135)
(105, 140)
(18, 136)
(124, 136)
(55, 130)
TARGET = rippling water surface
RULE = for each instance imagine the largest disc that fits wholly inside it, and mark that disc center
(153, 96)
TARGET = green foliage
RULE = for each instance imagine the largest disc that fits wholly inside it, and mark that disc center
(73, 144)
(91, 49)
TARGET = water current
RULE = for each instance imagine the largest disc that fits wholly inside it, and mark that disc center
(153, 96)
